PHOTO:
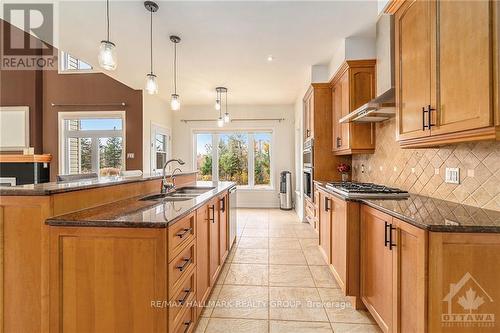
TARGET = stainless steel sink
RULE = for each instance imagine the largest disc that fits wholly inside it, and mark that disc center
(193, 190)
(182, 194)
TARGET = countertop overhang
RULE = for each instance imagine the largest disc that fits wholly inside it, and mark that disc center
(433, 214)
(135, 213)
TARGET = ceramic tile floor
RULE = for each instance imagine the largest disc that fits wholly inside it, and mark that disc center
(275, 280)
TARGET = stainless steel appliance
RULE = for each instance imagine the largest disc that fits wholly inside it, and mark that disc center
(308, 153)
(233, 217)
(366, 190)
(286, 190)
(308, 182)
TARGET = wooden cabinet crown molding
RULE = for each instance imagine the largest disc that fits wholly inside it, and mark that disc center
(393, 6)
(350, 64)
(11, 158)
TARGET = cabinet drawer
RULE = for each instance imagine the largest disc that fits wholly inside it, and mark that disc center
(182, 298)
(186, 322)
(181, 266)
(180, 233)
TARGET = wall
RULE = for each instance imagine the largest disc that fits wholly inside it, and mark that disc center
(38, 89)
(154, 111)
(19, 88)
(422, 170)
(282, 151)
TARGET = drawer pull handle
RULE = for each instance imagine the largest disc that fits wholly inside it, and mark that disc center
(183, 232)
(187, 324)
(184, 265)
(186, 295)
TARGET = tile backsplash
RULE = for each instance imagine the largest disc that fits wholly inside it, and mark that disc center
(422, 171)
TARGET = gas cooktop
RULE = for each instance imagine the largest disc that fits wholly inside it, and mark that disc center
(366, 190)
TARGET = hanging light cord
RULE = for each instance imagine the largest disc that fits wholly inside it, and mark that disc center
(226, 101)
(151, 40)
(175, 68)
(220, 103)
(107, 19)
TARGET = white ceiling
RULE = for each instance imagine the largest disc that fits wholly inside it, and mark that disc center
(223, 43)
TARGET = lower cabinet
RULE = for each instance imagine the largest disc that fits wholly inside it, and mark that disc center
(392, 271)
(214, 247)
(203, 256)
(223, 228)
(325, 222)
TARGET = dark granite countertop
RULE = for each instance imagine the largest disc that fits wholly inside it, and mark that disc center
(61, 187)
(134, 213)
(435, 214)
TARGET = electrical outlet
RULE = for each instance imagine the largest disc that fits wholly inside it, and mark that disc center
(452, 176)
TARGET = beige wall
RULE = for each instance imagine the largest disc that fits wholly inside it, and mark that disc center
(155, 111)
(415, 169)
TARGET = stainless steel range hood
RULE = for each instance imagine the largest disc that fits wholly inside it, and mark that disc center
(383, 106)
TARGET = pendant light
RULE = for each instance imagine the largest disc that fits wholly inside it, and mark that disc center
(218, 106)
(151, 84)
(175, 102)
(107, 49)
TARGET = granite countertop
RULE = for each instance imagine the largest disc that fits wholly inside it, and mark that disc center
(134, 213)
(435, 214)
(61, 187)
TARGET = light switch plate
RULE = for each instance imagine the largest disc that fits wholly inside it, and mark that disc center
(130, 155)
(452, 176)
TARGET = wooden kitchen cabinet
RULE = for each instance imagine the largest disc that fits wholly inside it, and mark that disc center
(308, 103)
(203, 256)
(214, 240)
(352, 86)
(393, 271)
(446, 87)
(325, 220)
(223, 227)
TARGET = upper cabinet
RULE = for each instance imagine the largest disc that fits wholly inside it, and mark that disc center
(352, 86)
(446, 76)
(309, 115)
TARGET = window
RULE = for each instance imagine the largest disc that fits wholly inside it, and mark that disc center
(160, 147)
(92, 142)
(243, 157)
(70, 63)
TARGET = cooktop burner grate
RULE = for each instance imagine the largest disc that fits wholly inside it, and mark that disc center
(367, 190)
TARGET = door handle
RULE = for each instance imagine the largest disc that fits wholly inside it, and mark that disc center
(424, 111)
(187, 324)
(429, 115)
(339, 142)
(386, 239)
(183, 232)
(391, 244)
(223, 204)
(211, 219)
(184, 265)
(183, 300)
(327, 208)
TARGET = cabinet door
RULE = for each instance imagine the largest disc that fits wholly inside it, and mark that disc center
(324, 226)
(410, 278)
(345, 106)
(464, 66)
(337, 114)
(223, 228)
(339, 241)
(202, 256)
(214, 240)
(376, 271)
(414, 81)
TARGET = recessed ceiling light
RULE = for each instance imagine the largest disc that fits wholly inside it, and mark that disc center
(270, 58)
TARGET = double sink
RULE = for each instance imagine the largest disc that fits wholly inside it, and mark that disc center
(182, 194)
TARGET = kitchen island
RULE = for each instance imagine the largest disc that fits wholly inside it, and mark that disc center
(91, 256)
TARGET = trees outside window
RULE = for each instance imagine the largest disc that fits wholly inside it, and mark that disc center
(234, 160)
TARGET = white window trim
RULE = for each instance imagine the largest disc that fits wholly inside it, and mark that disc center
(61, 70)
(62, 116)
(251, 157)
(157, 128)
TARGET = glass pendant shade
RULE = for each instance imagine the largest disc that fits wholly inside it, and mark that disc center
(220, 122)
(151, 84)
(217, 105)
(107, 55)
(175, 102)
(226, 117)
